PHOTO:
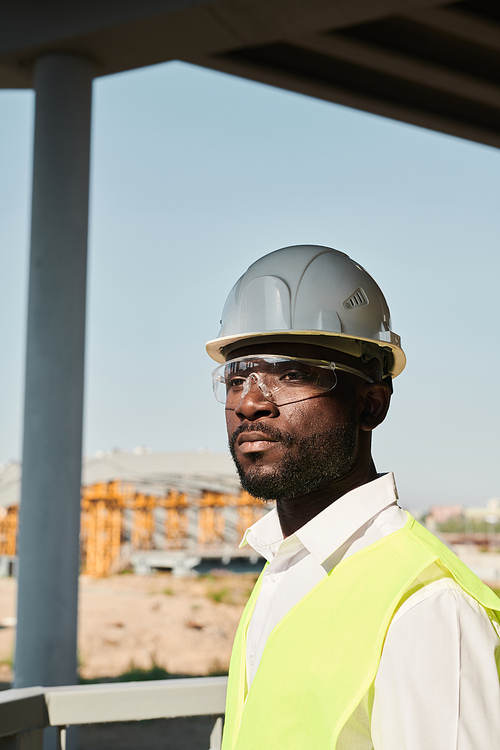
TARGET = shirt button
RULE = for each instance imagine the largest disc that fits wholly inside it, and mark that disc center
(251, 660)
(273, 577)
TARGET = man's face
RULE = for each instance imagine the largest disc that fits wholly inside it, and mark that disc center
(290, 450)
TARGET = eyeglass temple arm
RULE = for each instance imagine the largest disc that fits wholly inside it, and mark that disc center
(352, 371)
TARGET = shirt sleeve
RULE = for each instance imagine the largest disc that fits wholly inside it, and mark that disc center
(437, 687)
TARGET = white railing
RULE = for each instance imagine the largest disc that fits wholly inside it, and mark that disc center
(25, 712)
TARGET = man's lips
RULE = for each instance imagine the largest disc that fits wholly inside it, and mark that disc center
(253, 442)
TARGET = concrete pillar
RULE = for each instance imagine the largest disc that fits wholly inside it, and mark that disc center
(50, 498)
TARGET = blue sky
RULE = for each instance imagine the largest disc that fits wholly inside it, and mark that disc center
(195, 175)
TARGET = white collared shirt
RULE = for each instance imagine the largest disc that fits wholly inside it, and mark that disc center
(437, 687)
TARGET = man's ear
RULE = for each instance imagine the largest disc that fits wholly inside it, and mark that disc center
(377, 398)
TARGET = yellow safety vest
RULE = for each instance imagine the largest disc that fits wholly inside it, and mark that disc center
(323, 656)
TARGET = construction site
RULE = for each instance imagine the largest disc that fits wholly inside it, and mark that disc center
(147, 512)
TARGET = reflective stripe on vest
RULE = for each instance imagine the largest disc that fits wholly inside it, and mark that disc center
(323, 656)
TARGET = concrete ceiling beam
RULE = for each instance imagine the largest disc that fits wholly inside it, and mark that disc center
(401, 66)
(460, 25)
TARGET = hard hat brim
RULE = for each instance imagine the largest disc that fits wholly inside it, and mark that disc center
(215, 346)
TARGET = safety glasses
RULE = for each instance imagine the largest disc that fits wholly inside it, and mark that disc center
(282, 380)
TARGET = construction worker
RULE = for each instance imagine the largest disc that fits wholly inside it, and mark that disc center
(363, 631)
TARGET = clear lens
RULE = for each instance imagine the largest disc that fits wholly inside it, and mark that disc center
(282, 380)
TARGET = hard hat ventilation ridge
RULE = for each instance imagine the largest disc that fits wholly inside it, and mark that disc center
(357, 299)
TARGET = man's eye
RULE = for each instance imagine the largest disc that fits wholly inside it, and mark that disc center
(235, 383)
(297, 376)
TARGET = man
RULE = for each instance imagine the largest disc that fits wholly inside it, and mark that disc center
(363, 631)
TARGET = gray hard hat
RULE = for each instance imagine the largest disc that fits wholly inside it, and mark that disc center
(310, 294)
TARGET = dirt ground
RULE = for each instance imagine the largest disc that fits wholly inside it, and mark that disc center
(186, 626)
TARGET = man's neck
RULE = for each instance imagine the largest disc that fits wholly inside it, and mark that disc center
(295, 512)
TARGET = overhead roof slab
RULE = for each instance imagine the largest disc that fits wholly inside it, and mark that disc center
(434, 64)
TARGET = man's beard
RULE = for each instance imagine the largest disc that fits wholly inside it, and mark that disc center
(309, 462)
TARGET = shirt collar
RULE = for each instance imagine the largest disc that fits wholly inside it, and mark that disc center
(327, 531)
(265, 535)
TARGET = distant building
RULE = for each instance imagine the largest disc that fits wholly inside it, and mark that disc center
(491, 513)
(444, 513)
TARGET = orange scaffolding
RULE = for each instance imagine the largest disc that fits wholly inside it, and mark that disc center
(211, 520)
(143, 523)
(102, 526)
(176, 524)
(8, 530)
(105, 506)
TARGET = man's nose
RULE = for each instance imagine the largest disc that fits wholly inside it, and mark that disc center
(254, 402)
